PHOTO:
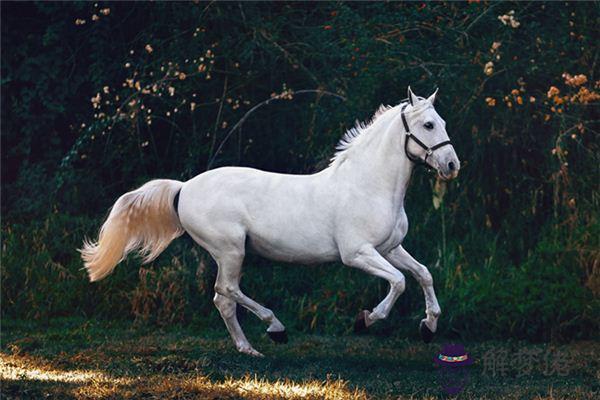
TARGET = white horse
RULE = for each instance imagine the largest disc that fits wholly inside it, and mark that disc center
(351, 211)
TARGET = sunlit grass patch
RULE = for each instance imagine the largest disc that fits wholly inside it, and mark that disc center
(25, 368)
(32, 374)
(246, 387)
(82, 383)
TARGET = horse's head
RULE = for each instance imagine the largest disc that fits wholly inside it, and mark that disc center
(426, 138)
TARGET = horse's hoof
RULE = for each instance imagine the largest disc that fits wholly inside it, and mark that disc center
(426, 333)
(360, 324)
(278, 337)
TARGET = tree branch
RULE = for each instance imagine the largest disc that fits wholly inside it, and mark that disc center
(256, 107)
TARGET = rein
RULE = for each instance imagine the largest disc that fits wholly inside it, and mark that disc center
(428, 150)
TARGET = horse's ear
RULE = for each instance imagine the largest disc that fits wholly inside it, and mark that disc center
(431, 98)
(411, 97)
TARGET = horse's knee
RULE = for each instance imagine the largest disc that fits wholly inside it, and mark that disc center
(225, 306)
(425, 277)
(220, 301)
(228, 290)
(398, 283)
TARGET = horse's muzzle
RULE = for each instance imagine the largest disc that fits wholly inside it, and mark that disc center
(449, 170)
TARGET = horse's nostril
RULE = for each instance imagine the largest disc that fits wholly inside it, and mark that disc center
(451, 166)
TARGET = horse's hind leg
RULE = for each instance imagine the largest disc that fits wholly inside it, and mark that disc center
(228, 285)
(227, 309)
(226, 305)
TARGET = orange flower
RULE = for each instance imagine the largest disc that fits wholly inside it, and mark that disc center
(553, 91)
(576, 80)
(586, 96)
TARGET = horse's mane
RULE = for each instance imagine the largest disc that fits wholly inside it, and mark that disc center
(353, 133)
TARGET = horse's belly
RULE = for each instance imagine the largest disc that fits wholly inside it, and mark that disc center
(293, 247)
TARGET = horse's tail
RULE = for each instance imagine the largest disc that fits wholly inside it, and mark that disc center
(144, 220)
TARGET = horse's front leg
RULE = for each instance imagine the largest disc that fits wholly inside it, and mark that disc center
(401, 259)
(369, 260)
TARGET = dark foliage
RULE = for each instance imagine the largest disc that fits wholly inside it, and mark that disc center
(99, 98)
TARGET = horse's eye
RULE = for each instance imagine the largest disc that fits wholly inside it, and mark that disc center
(428, 125)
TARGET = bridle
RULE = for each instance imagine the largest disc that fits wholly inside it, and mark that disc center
(428, 150)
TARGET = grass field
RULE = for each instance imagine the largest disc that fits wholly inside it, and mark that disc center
(100, 359)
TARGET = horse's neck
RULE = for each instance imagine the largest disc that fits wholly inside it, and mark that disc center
(381, 165)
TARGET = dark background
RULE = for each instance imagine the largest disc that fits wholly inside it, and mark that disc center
(513, 244)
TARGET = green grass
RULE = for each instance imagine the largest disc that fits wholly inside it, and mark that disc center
(73, 358)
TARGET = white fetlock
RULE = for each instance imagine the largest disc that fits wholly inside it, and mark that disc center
(250, 351)
(276, 326)
(370, 318)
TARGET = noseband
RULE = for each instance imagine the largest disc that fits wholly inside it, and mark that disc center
(428, 150)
